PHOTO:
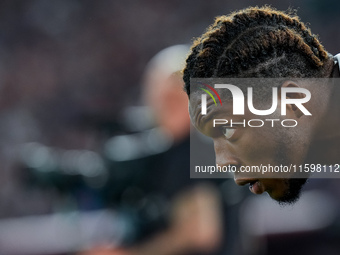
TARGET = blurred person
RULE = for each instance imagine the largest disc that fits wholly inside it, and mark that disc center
(267, 43)
(195, 211)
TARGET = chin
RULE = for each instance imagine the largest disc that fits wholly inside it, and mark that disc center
(291, 194)
(286, 200)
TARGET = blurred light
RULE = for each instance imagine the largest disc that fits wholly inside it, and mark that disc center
(158, 141)
(90, 164)
(135, 146)
(72, 162)
(138, 118)
(62, 233)
(83, 162)
(68, 162)
(121, 148)
(314, 210)
(37, 156)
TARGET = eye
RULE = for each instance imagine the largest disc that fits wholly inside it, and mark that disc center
(228, 132)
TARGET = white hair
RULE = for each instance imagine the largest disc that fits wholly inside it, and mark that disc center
(169, 60)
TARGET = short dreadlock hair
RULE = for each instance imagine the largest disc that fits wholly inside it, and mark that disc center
(256, 42)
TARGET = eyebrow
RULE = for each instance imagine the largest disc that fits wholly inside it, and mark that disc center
(202, 120)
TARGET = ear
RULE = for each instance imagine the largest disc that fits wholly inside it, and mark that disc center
(292, 109)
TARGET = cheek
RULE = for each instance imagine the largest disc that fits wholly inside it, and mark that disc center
(258, 146)
(225, 152)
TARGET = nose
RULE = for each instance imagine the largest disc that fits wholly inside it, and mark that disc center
(225, 156)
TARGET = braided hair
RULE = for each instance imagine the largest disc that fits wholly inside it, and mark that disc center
(256, 42)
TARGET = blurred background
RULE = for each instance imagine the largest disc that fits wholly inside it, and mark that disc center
(88, 165)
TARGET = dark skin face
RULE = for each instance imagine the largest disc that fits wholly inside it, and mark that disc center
(314, 140)
(249, 146)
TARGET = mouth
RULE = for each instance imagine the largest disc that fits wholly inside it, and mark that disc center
(255, 185)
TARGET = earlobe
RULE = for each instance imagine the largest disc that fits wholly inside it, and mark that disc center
(297, 112)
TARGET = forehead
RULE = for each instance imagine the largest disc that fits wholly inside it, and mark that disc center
(195, 107)
(227, 89)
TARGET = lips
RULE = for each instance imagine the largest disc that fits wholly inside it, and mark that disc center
(255, 185)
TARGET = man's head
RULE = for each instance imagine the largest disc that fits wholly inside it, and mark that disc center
(162, 91)
(258, 43)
